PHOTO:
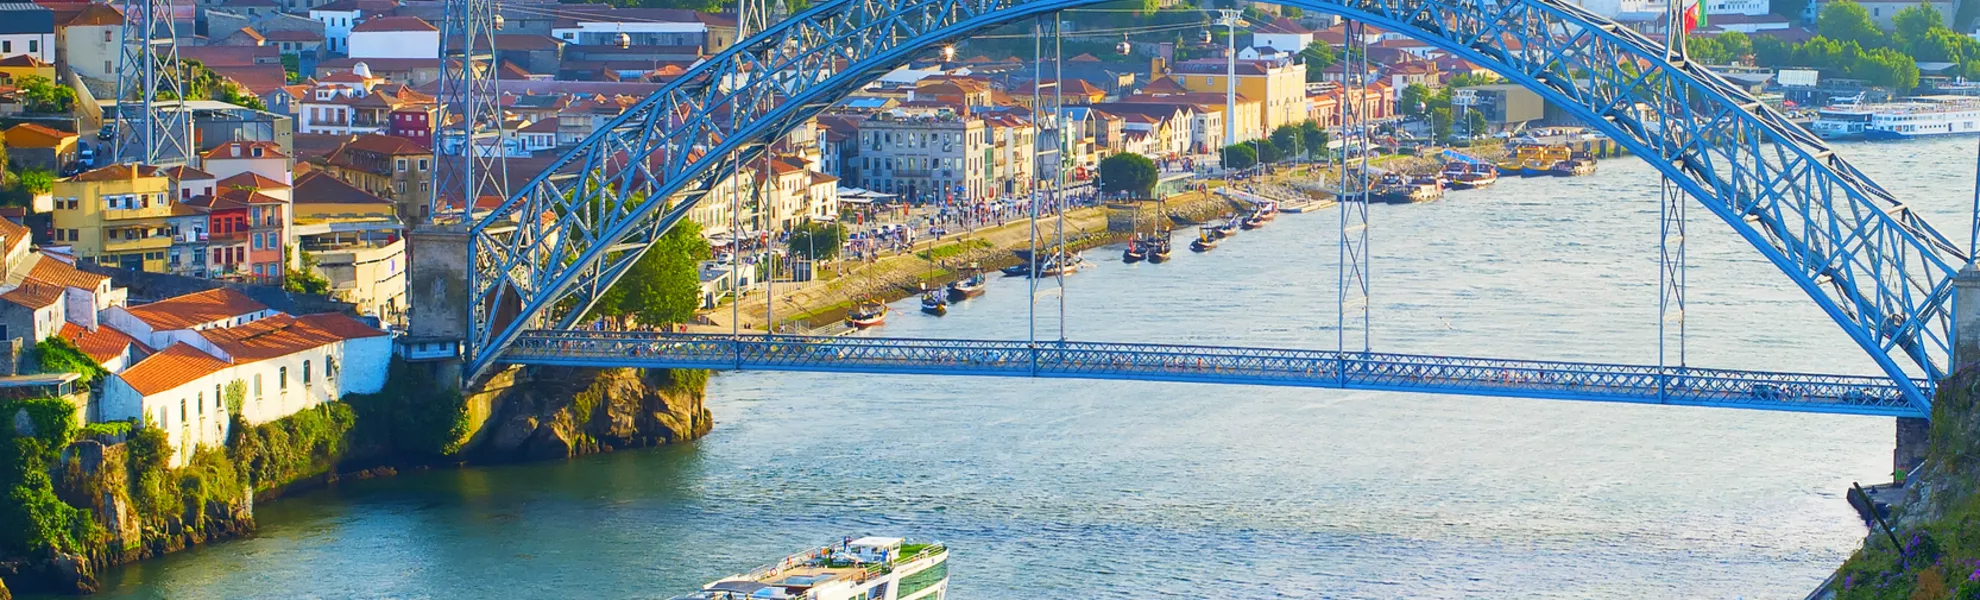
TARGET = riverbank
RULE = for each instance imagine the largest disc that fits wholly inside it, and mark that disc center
(933, 263)
(1933, 552)
(98, 497)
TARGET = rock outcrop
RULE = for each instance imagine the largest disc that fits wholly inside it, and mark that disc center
(563, 412)
(1937, 528)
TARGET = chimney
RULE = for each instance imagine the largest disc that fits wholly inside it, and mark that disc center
(236, 149)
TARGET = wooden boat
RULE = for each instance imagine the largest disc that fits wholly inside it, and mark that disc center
(934, 303)
(1205, 241)
(968, 287)
(1158, 252)
(1575, 166)
(1134, 252)
(1051, 266)
(868, 313)
(1477, 176)
(1254, 221)
(1017, 270)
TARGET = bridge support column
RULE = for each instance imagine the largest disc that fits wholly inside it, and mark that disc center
(1912, 433)
(437, 293)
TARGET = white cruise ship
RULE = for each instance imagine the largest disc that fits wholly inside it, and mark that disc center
(1918, 116)
(868, 568)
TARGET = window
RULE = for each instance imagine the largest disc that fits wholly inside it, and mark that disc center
(282, 379)
(216, 397)
(182, 411)
(306, 380)
(329, 362)
(109, 37)
(34, 45)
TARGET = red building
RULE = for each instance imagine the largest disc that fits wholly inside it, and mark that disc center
(414, 123)
(246, 238)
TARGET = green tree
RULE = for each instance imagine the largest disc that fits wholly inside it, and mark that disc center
(1318, 56)
(1475, 123)
(1128, 172)
(44, 96)
(1414, 99)
(817, 241)
(1240, 156)
(1314, 138)
(1788, 8)
(57, 355)
(1847, 21)
(1736, 44)
(1440, 122)
(1769, 51)
(1268, 153)
(1286, 141)
(664, 287)
(1912, 23)
(1708, 50)
(36, 181)
(305, 280)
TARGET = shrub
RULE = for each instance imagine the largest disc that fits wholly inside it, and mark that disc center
(57, 355)
(33, 519)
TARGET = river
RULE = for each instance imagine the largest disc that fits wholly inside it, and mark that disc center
(1089, 489)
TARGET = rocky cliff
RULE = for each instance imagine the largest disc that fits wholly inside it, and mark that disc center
(1937, 555)
(563, 412)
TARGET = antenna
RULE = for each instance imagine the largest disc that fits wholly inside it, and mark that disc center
(152, 124)
(469, 119)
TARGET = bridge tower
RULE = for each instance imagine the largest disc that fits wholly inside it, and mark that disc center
(469, 166)
(152, 127)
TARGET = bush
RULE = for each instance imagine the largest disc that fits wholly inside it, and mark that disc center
(409, 416)
(33, 519)
(292, 448)
(57, 355)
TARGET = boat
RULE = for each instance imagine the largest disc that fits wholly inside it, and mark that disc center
(1477, 176)
(1017, 270)
(865, 567)
(967, 287)
(1912, 117)
(1205, 241)
(1050, 267)
(1534, 159)
(868, 313)
(1134, 252)
(1577, 165)
(1453, 169)
(934, 303)
(1158, 252)
(1413, 192)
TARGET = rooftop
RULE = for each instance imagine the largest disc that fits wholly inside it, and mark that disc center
(102, 344)
(393, 24)
(197, 308)
(177, 365)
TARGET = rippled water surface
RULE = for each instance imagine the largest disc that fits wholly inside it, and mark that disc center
(1089, 489)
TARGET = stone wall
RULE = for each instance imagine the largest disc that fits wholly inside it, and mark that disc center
(554, 413)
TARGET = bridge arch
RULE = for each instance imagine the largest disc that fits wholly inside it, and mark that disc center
(1875, 267)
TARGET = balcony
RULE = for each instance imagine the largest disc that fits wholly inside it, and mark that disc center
(160, 242)
(155, 211)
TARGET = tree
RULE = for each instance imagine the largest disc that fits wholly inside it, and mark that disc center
(1240, 156)
(1736, 44)
(1415, 99)
(1707, 50)
(1440, 123)
(817, 241)
(1318, 56)
(36, 181)
(1475, 123)
(1314, 138)
(1847, 21)
(1912, 23)
(1128, 172)
(1286, 141)
(1788, 8)
(305, 280)
(665, 285)
(44, 96)
(1770, 51)
(1267, 152)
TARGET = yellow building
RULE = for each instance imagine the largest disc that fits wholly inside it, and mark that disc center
(17, 67)
(115, 216)
(1279, 85)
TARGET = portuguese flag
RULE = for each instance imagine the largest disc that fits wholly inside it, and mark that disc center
(1694, 16)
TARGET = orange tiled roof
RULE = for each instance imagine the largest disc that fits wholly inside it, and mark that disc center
(198, 307)
(33, 294)
(55, 272)
(282, 335)
(177, 365)
(30, 135)
(103, 344)
(12, 233)
(253, 181)
(183, 173)
(117, 172)
(245, 150)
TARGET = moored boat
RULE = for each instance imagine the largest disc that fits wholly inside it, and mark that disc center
(868, 313)
(1205, 241)
(1158, 252)
(1134, 253)
(1477, 176)
(934, 303)
(1575, 166)
(967, 287)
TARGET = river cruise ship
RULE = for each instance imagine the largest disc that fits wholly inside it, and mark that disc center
(868, 568)
(1918, 116)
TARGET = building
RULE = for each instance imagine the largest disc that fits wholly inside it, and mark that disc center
(115, 216)
(1279, 85)
(32, 146)
(597, 25)
(354, 238)
(339, 17)
(395, 168)
(394, 37)
(1283, 34)
(271, 363)
(27, 28)
(233, 158)
(926, 155)
(1505, 105)
(87, 42)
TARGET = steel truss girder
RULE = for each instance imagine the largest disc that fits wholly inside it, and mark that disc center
(1876, 267)
(151, 125)
(1835, 394)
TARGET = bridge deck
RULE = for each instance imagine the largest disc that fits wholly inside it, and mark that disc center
(1837, 394)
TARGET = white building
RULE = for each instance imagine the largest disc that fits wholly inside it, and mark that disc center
(339, 17)
(394, 37)
(179, 320)
(1284, 35)
(281, 365)
(27, 28)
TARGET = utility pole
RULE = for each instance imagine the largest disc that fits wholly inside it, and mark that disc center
(1229, 20)
(152, 125)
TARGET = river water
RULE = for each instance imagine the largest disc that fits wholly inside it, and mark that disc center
(1087, 489)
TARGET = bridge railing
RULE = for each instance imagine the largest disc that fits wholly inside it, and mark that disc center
(1245, 365)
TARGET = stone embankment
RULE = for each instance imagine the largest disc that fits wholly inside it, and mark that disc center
(551, 413)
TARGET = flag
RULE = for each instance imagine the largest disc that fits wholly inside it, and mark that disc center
(1694, 16)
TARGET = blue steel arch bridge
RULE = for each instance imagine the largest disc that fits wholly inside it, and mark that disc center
(543, 257)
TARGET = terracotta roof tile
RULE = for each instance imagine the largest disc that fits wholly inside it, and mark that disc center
(253, 181)
(54, 272)
(117, 172)
(196, 308)
(103, 344)
(245, 150)
(12, 233)
(393, 24)
(184, 173)
(175, 366)
(320, 188)
(33, 294)
(282, 335)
